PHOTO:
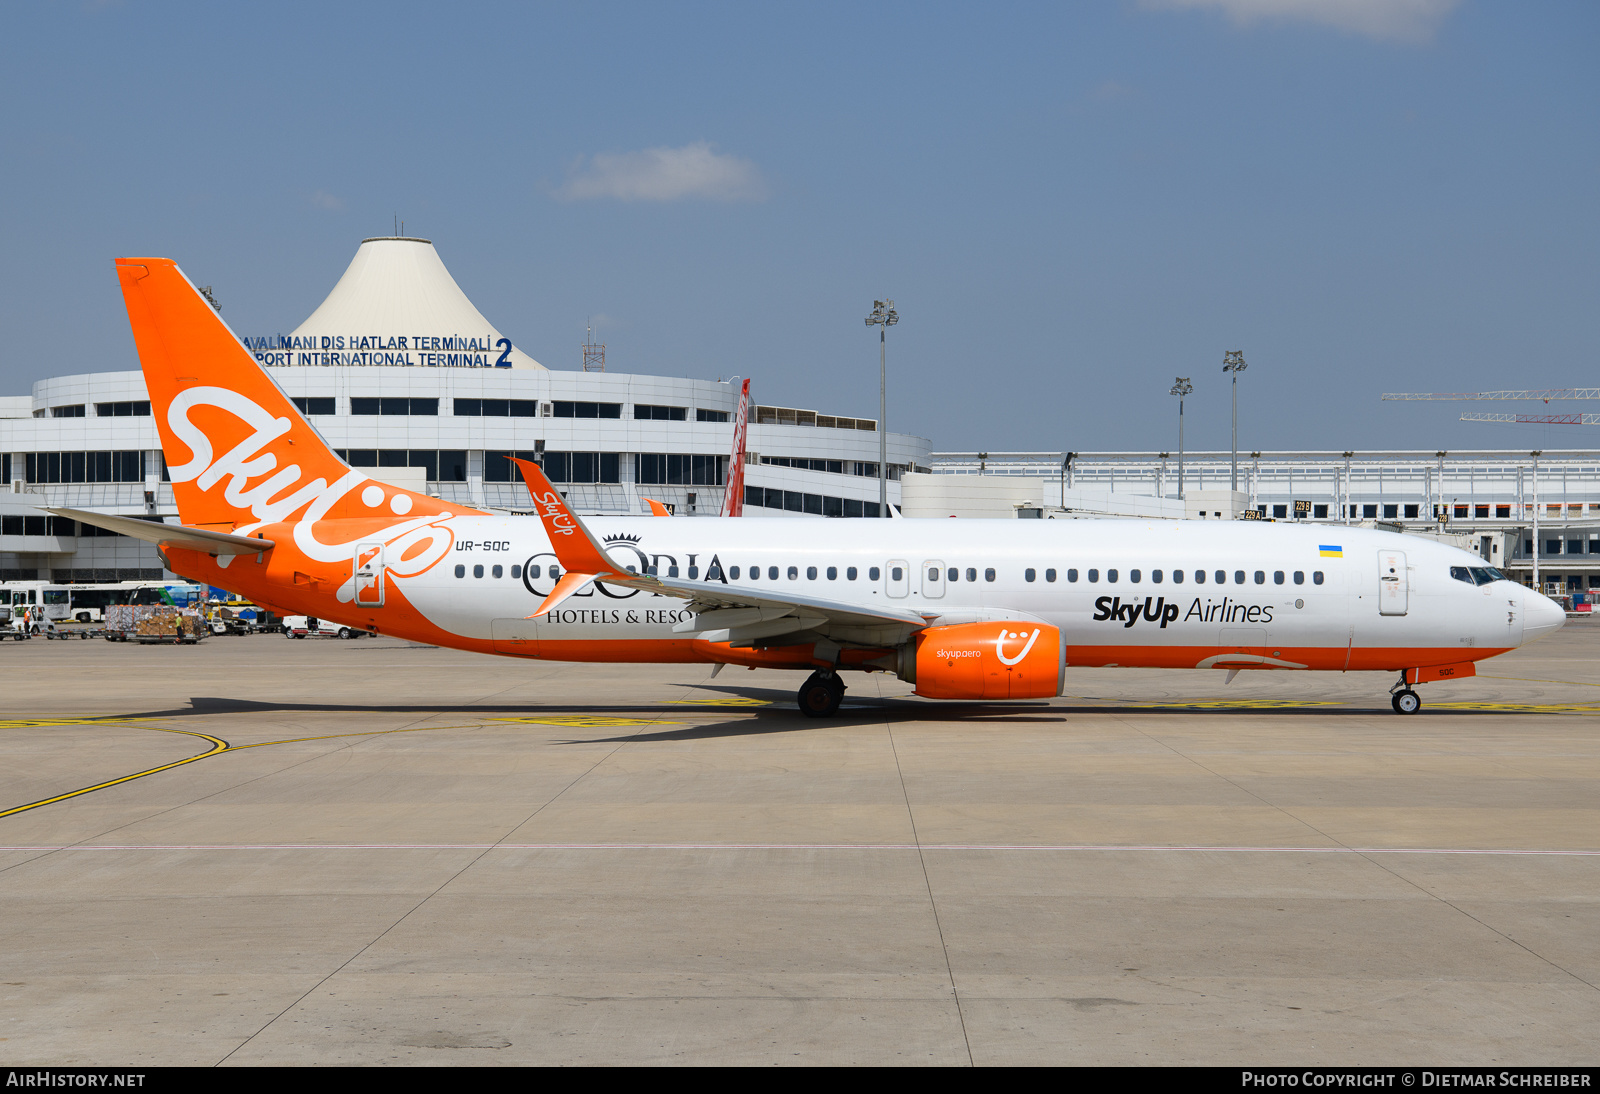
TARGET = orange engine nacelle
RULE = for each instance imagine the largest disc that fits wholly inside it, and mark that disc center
(1000, 660)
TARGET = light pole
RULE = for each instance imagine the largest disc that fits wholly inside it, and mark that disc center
(1181, 388)
(1233, 361)
(883, 317)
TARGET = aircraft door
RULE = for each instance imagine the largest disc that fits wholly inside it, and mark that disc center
(369, 575)
(1393, 585)
(897, 577)
(933, 579)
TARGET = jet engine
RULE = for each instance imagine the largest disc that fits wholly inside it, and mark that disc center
(1004, 659)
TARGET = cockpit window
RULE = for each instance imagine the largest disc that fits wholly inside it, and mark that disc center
(1461, 573)
(1485, 575)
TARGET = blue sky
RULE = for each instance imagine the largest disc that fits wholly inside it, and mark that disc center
(1070, 203)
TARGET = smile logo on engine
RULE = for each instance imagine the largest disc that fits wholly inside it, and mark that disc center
(1000, 645)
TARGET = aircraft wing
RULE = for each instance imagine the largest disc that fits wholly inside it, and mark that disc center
(723, 613)
(183, 536)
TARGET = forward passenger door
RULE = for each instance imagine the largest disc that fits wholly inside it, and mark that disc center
(1393, 586)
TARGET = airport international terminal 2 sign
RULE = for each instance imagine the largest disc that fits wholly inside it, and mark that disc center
(420, 350)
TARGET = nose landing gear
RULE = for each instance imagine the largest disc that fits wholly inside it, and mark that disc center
(820, 695)
(1403, 699)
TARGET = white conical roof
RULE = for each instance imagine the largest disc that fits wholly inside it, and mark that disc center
(397, 286)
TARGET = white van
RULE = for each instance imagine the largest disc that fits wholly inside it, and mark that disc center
(301, 626)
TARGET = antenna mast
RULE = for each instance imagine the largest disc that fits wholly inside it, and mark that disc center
(594, 356)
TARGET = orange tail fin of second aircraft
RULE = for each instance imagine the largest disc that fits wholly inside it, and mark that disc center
(733, 498)
(238, 451)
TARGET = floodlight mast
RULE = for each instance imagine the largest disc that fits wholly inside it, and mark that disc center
(1181, 388)
(1233, 361)
(883, 317)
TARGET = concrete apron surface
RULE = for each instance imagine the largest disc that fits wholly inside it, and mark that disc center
(370, 852)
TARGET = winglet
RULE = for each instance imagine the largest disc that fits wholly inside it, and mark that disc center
(657, 509)
(575, 546)
(570, 584)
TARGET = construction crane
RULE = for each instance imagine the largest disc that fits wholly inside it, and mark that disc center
(1544, 395)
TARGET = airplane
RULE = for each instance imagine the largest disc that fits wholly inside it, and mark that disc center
(963, 609)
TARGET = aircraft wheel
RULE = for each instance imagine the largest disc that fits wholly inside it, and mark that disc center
(819, 696)
(1406, 702)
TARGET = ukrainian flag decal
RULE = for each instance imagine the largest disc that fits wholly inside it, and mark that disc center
(1332, 551)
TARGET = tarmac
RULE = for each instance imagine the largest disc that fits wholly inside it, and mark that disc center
(370, 852)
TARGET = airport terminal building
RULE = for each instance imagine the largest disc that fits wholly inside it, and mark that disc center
(402, 375)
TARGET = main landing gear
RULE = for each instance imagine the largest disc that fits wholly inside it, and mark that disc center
(1403, 699)
(820, 695)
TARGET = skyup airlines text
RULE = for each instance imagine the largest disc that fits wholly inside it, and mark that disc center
(1155, 609)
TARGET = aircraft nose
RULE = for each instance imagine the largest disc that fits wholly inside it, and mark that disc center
(1540, 616)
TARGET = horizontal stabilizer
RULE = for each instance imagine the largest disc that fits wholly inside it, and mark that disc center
(183, 536)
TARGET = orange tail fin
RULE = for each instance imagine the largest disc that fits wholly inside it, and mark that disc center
(238, 451)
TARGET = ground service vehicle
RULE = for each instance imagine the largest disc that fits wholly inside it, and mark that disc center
(962, 609)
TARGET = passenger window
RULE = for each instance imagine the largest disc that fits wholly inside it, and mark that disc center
(694, 572)
(811, 573)
(1238, 577)
(1133, 576)
(1221, 577)
(1072, 575)
(1316, 577)
(533, 572)
(1155, 575)
(896, 573)
(772, 573)
(1028, 574)
(555, 573)
(933, 574)
(833, 573)
(1111, 575)
(1299, 577)
(672, 571)
(872, 573)
(1261, 577)
(733, 573)
(1199, 577)
(1049, 575)
(850, 574)
(516, 571)
(1094, 577)
(498, 572)
(477, 571)
(461, 571)
(794, 573)
(972, 574)
(1277, 577)
(953, 574)
(988, 575)
(1177, 577)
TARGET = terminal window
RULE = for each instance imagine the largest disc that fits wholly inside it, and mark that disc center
(321, 404)
(674, 469)
(139, 409)
(73, 411)
(701, 414)
(1280, 510)
(1391, 510)
(1320, 512)
(1369, 511)
(582, 466)
(647, 412)
(497, 466)
(821, 505)
(85, 466)
(444, 466)
(497, 408)
(400, 406)
(588, 410)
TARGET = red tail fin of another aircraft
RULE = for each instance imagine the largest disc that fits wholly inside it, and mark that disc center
(238, 451)
(733, 499)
